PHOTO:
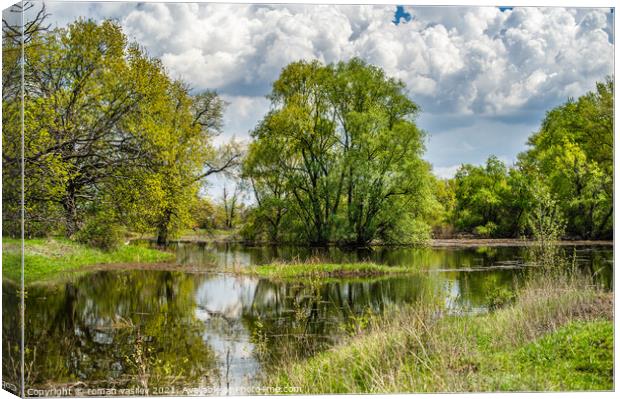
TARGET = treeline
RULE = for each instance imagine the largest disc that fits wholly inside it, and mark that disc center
(111, 142)
(569, 162)
(338, 160)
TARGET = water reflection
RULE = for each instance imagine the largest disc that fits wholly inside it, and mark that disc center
(226, 255)
(156, 329)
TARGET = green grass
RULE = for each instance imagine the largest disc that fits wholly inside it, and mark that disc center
(578, 356)
(558, 335)
(287, 271)
(47, 257)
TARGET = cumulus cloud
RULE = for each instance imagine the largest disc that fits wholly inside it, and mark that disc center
(478, 60)
(483, 75)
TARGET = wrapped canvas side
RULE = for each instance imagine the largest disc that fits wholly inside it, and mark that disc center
(12, 198)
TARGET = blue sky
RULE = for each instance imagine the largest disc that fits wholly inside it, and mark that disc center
(483, 76)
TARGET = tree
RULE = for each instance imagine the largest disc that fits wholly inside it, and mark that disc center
(572, 154)
(341, 152)
(491, 200)
(17, 34)
(108, 130)
(268, 185)
(83, 85)
(230, 205)
(382, 148)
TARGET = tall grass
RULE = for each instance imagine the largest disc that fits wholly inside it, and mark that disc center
(322, 270)
(517, 347)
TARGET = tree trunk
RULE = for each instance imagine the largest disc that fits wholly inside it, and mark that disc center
(163, 229)
(71, 214)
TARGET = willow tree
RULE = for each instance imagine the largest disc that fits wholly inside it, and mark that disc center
(340, 150)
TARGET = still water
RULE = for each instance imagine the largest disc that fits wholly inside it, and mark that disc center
(197, 326)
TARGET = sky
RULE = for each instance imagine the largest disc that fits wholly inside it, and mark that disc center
(483, 76)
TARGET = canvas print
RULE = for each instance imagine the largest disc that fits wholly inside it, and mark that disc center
(261, 199)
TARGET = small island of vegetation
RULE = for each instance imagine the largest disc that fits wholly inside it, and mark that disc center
(322, 270)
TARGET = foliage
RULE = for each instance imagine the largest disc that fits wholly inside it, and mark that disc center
(203, 212)
(569, 163)
(444, 212)
(545, 219)
(498, 297)
(572, 155)
(99, 232)
(491, 200)
(339, 157)
(105, 125)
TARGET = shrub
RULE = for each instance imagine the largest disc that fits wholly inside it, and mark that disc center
(499, 297)
(100, 232)
(486, 231)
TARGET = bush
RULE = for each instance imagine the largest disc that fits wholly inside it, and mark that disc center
(408, 231)
(499, 297)
(100, 232)
(486, 231)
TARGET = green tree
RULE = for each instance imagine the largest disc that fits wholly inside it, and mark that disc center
(107, 130)
(491, 200)
(83, 84)
(572, 154)
(341, 155)
(15, 35)
(268, 185)
(382, 170)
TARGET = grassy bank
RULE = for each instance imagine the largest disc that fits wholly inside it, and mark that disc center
(44, 258)
(322, 270)
(558, 335)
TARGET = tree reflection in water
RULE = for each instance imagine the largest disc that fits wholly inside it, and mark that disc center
(162, 329)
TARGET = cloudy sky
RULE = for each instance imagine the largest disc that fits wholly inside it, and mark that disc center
(483, 76)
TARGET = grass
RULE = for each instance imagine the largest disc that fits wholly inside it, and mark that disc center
(47, 257)
(287, 271)
(557, 335)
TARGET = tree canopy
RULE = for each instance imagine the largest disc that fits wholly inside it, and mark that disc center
(107, 131)
(570, 159)
(339, 157)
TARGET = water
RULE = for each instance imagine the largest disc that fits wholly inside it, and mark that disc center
(196, 326)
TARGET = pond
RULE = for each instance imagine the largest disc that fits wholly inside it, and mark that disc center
(196, 326)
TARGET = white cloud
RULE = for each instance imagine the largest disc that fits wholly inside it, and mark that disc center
(483, 77)
(468, 60)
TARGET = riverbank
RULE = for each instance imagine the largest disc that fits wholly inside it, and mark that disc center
(509, 242)
(558, 335)
(46, 257)
(226, 237)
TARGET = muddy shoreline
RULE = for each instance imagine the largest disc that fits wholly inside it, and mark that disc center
(508, 242)
(433, 243)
